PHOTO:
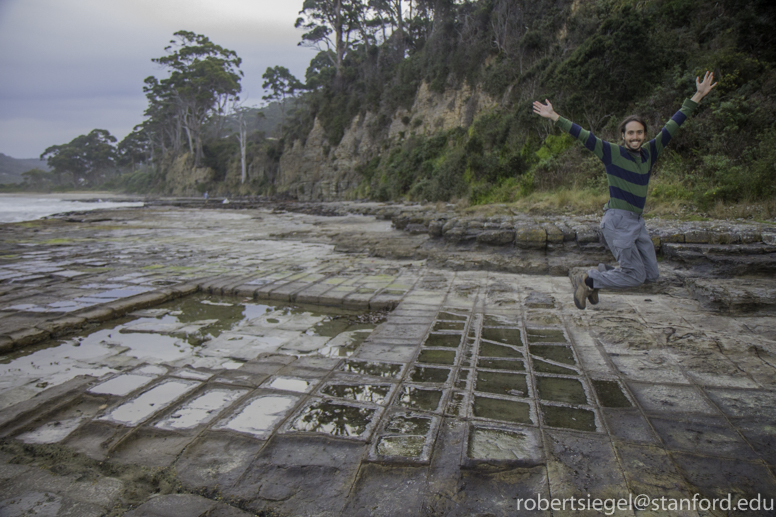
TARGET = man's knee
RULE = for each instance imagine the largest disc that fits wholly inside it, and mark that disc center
(639, 276)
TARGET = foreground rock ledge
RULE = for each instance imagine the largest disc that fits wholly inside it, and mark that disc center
(539, 398)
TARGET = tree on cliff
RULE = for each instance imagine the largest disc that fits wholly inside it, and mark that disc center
(204, 78)
(86, 158)
(282, 84)
(331, 25)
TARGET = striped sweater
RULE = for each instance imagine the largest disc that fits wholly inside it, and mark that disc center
(628, 173)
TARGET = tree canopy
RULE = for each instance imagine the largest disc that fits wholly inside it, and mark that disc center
(85, 158)
(204, 78)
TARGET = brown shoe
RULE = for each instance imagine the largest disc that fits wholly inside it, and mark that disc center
(593, 298)
(581, 291)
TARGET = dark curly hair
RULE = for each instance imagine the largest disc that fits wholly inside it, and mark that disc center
(632, 118)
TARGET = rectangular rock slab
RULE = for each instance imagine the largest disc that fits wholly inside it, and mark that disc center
(582, 465)
(217, 459)
(174, 505)
(670, 399)
(650, 471)
(385, 491)
(629, 425)
(300, 476)
(718, 477)
(151, 448)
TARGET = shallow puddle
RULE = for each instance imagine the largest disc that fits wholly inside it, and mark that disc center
(499, 321)
(260, 416)
(494, 350)
(385, 370)
(419, 398)
(558, 354)
(199, 330)
(502, 383)
(201, 410)
(500, 409)
(443, 340)
(436, 357)
(121, 385)
(374, 393)
(546, 336)
(501, 364)
(344, 344)
(545, 367)
(426, 374)
(503, 335)
(503, 445)
(559, 389)
(150, 402)
(610, 394)
(449, 325)
(401, 446)
(444, 315)
(457, 405)
(334, 419)
(289, 384)
(404, 424)
(569, 418)
(463, 379)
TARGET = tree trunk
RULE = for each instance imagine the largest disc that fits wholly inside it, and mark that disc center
(243, 138)
(340, 43)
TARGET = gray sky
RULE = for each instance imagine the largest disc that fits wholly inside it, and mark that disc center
(70, 66)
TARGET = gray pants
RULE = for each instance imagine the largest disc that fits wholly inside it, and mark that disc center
(628, 239)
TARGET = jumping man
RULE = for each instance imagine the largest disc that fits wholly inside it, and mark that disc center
(628, 169)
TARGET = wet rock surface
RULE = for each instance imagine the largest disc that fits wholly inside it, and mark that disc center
(267, 361)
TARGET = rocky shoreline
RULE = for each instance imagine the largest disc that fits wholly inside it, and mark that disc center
(148, 340)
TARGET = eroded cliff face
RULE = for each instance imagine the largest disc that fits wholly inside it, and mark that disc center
(182, 178)
(316, 171)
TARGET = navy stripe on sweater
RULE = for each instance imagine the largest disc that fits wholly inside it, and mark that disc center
(618, 193)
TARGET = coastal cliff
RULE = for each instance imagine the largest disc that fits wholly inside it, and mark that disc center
(315, 170)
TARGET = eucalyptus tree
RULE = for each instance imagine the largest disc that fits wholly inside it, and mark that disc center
(86, 158)
(135, 149)
(331, 25)
(204, 78)
(281, 84)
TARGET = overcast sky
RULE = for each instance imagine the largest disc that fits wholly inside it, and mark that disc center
(70, 66)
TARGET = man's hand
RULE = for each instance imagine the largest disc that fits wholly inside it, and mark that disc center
(545, 110)
(704, 87)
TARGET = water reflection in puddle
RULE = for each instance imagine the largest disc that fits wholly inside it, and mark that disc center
(290, 384)
(385, 370)
(201, 410)
(569, 418)
(374, 393)
(402, 446)
(334, 419)
(121, 385)
(500, 409)
(152, 401)
(419, 398)
(199, 331)
(260, 416)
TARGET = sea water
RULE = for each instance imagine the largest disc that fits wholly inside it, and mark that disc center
(18, 208)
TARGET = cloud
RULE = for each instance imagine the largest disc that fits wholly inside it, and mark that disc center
(70, 66)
